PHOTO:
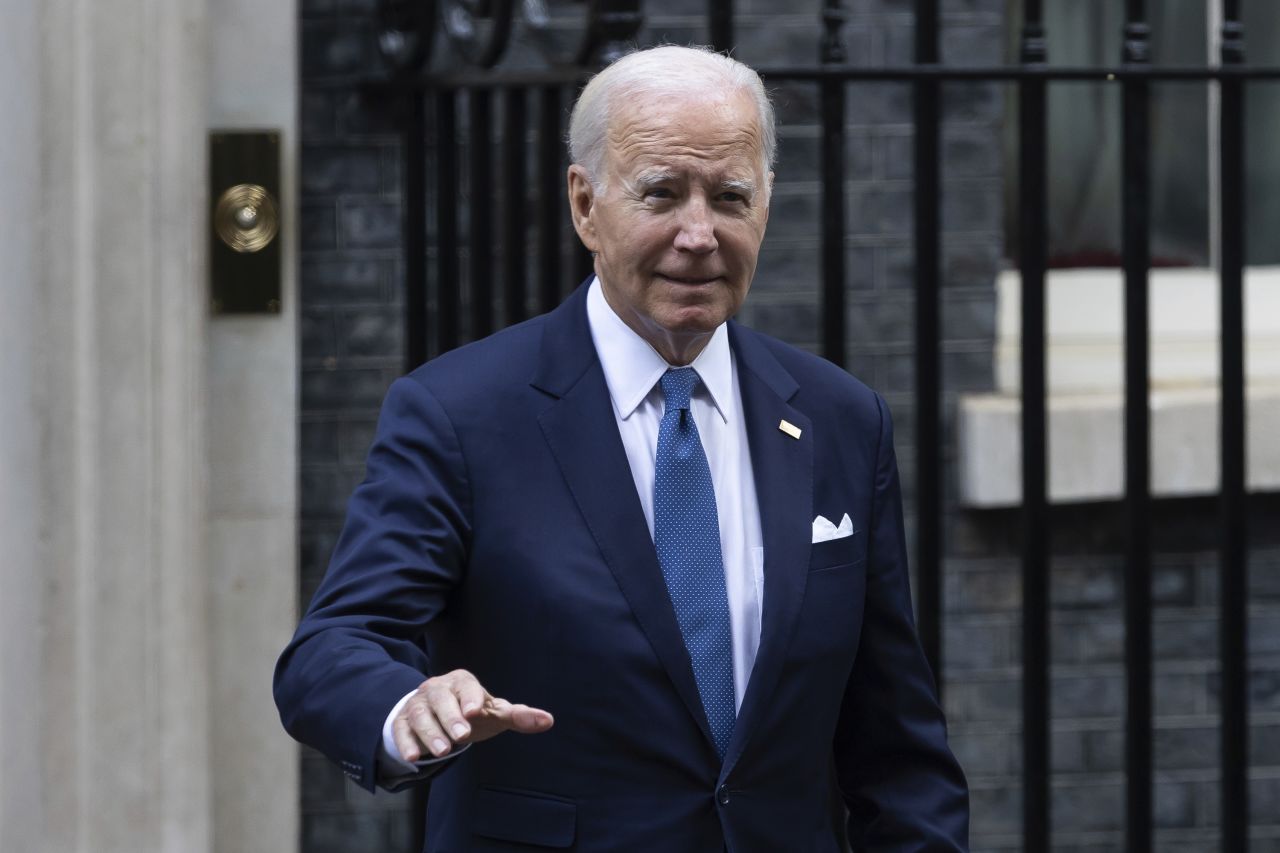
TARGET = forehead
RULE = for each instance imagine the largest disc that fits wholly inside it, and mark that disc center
(714, 130)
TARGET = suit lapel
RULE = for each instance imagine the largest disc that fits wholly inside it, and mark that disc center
(783, 469)
(582, 433)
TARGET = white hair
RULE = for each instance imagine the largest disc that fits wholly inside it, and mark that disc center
(664, 71)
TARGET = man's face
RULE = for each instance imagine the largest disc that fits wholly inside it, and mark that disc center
(678, 224)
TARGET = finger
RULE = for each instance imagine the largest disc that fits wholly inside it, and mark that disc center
(448, 711)
(427, 728)
(521, 718)
(471, 696)
(406, 741)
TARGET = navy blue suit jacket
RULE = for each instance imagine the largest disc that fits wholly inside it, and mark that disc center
(498, 530)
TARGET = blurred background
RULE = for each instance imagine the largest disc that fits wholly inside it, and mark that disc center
(1043, 229)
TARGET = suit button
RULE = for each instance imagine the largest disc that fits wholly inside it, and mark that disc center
(722, 795)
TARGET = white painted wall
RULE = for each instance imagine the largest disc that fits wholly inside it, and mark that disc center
(118, 336)
(21, 488)
(252, 379)
(147, 452)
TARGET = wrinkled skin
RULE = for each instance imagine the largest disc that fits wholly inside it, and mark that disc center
(677, 221)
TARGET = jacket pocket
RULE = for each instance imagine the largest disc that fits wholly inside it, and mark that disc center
(524, 817)
(838, 552)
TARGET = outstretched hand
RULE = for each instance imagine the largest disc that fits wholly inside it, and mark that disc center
(454, 709)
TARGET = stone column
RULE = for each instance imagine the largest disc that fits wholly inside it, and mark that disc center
(105, 726)
(21, 488)
(252, 430)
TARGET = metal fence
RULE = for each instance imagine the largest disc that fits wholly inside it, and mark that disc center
(507, 111)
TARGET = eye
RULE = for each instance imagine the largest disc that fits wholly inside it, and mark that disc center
(658, 193)
(732, 197)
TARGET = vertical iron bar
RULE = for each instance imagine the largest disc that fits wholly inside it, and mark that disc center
(415, 232)
(1233, 618)
(447, 219)
(416, 341)
(415, 303)
(513, 219)
(480, 238)
(720, 24)
(551, 181)
(1136, 248)
(833, 261)
(1033, 207)
(928, 198)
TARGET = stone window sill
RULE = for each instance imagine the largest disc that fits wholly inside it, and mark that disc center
(1086, 403)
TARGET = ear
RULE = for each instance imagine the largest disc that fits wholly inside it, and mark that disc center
(582, 199)
(769, 200)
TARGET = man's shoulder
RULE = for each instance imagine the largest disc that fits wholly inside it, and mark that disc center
(489, 366)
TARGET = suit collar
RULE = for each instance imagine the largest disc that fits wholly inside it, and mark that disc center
(752, 354)
(632, 367)
(566, 350)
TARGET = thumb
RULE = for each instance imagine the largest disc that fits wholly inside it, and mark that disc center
(528, 720)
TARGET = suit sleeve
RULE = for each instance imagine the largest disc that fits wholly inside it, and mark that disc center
(900, 782)
(359, 648)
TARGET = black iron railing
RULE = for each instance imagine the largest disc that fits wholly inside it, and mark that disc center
(531, 107)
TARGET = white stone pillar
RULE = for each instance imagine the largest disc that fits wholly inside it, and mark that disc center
(105, 727)
(252, 430)
(21, 486)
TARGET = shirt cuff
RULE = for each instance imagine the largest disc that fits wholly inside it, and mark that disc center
(391, 765)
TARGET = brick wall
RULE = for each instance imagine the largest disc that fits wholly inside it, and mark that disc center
(351, 349)
(1087, 687)
(352, 346)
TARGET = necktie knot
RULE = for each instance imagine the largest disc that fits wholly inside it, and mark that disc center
(677, 387)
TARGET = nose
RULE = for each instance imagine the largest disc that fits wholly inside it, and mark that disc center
(697, 232)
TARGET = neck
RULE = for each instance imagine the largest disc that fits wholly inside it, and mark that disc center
(678, 352)
(677, 349)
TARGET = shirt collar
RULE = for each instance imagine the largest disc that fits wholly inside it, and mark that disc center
(632, 367)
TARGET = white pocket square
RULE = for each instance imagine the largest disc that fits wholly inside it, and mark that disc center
(825, 531)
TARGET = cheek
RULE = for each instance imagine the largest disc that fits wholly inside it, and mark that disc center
(743, 247)
(644, 243)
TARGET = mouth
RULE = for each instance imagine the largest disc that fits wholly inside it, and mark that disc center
(692, 280)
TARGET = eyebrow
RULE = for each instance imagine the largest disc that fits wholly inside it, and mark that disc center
(747, 188)
(655, 177)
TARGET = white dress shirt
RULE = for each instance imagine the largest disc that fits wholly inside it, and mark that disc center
(632, 369)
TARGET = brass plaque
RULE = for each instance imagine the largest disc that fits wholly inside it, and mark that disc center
(244, 222)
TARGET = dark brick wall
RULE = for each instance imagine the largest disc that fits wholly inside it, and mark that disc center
(983, 591)
(352, 345)
(351, 349)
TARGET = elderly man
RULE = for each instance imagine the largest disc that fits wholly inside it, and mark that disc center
(653, 560)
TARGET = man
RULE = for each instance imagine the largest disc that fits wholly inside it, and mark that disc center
(653, 560)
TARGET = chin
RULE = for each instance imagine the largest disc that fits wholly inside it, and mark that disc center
(691, 319)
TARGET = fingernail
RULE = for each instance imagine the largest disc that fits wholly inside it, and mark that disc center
(469, 707)
(438, 746)
(459, 730)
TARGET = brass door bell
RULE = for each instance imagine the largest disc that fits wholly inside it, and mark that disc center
(245, 260)
(246, 218)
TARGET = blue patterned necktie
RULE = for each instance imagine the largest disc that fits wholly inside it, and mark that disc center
(686, 533)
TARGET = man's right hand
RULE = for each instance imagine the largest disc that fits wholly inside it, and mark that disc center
(454, 709)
